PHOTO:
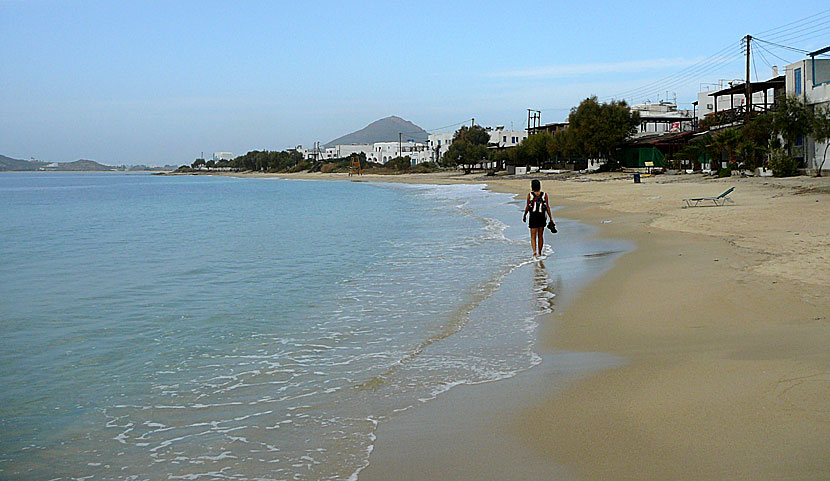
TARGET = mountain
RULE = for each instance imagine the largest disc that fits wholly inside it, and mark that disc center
(383, 130)
(9, 164)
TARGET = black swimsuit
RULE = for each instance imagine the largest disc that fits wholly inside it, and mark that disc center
(538, 211)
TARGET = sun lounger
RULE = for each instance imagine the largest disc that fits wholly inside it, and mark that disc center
(718, 201)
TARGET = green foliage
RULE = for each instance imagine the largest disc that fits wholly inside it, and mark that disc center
(782, 164)
(696, 149)
(475, 135)
(534, 149)
(727, 172)
(270, 161)
(424, 168)
(463, 152)
(300, 166)
(792, 119)
(399, 163)
(598, 129)
(197, 163)
(821, 132)
(725, 141)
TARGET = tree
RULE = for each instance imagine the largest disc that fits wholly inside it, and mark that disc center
(469, 146)
(476, 135)
(598, 129)
(791, 118)
(462, 152)
(534, 149)
(821, 132)
(198, 163)
(727, 141)
(694, 150)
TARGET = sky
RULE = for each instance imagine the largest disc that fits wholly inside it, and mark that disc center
(161, 82)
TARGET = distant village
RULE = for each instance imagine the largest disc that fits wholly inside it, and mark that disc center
(664, 135)
(663, 129)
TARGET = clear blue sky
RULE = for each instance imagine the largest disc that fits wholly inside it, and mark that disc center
(160, 82)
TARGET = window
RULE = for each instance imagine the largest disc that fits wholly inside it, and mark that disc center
(504, 139)
(797, 78)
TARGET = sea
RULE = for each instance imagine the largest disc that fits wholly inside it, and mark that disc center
(200, 327)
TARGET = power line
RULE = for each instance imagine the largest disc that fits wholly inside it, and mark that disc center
(794, 49)
(792, 25)
(755, 68)
(680, 79)
(765, 49)
(816, 32)
(761, 54)
(680, 73)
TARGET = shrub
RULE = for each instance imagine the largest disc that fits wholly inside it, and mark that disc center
(399, 163)
(301, 166)
(328, 167)
(424, 168)
(782, 164)
(727, 172)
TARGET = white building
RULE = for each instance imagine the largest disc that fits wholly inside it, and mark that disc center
(732, 95)
(439, 144)
(499, 138)
(383, 152)
(354, 149)
(379, 152)
(662, 117)
(223, 156)
(810, 80)
(318, 152)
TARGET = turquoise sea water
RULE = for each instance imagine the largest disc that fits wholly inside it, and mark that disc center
(195, 327)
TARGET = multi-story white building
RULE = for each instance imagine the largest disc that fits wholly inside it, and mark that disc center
(383, 152)
(810, 81)
(379, 152)
(439, 144)
(661, 118)
(223, 156)
(730, 95)
(499, 138)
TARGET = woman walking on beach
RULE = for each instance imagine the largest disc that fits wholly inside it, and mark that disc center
(537, 206)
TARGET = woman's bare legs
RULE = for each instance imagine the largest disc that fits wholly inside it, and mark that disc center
(533, 239)
(540, 240)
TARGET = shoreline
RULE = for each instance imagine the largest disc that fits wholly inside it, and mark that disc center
(720, 315)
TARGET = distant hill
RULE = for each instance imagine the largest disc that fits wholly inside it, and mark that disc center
(383, 130)
(9, 164)
(82, 165)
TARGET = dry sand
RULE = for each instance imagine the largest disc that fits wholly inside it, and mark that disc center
(722, 318)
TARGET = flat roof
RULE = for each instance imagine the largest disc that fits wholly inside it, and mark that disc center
(753, 87)
(819, 52)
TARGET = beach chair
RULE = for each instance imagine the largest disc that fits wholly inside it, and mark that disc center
(718, 201)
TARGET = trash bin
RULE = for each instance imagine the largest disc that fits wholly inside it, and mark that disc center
(637, 178)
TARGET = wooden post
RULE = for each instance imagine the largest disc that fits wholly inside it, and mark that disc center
(748, 102)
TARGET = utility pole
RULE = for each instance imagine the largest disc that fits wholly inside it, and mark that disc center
(748, 102)
(472, 122)
(400, 148)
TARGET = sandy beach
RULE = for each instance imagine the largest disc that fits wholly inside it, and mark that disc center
(719, 320)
